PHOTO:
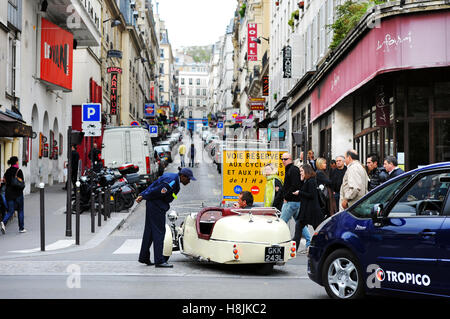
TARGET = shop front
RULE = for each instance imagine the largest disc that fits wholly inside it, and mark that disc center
(397, 79)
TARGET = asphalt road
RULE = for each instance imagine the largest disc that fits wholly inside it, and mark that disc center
(111, 270)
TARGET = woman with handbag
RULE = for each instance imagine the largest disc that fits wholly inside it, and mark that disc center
(15, 184)
(327, 192)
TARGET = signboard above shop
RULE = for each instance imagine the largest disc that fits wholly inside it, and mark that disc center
(56, 56)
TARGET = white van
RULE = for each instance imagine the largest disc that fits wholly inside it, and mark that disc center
(130, 144)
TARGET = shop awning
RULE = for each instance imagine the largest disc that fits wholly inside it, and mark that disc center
(12, 127)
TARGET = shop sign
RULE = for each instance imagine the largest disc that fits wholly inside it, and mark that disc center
(382, 110)
(252, 49)
(257, 104)
(114, 69)
(56, 60)
(287, 62)
(114, 93)
(265, 85)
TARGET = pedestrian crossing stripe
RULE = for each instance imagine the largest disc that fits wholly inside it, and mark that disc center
(60, 244)
(131, 246)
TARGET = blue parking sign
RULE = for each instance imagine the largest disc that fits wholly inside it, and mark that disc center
(153, 129)
(219, 124)
(91, 112)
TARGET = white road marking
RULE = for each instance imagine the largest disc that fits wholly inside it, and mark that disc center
(132, 246)
(60, 244)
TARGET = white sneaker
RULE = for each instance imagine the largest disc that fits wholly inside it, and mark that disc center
(2, 226)
(23, 231)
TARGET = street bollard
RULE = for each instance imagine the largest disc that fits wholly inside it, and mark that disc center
(92, 212)
(99, 208)
(105, 203)
(108, 203)
(77, 221)
(41, 186)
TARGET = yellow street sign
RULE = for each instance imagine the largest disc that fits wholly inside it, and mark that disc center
(242, 170)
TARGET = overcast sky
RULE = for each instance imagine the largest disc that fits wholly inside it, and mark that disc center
(195, 22)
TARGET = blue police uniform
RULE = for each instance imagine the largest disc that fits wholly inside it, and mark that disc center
(158, 196)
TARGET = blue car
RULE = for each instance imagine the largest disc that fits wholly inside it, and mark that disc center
(394, 240)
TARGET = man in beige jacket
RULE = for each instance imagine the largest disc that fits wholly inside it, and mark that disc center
(354, 184)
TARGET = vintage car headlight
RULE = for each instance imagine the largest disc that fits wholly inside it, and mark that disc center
(173, 216)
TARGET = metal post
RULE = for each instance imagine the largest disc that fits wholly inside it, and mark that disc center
(77, 223)
(69, 184)
(99, 208)
(108, 201)
(105, 203)
(92, 211)
(41, 186)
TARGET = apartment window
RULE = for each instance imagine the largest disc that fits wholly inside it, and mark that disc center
(198, 102)
(182, 81)
(11, 67)
(198, 81)
(198, 91)
(204, 92)
(190, 102)
(190, 81)
(161, 68)
(161, 52)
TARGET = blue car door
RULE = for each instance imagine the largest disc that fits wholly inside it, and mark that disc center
(444, 243)
(407, 245)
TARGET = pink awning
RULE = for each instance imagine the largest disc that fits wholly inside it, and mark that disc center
(402, 42)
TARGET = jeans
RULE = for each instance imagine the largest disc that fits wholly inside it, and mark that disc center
(305, 234)
(290, 209)
(182, 160)
(12, 204)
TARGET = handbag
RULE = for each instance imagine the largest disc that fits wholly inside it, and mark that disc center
(17, 182)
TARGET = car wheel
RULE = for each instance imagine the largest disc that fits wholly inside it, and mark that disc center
(341, 276)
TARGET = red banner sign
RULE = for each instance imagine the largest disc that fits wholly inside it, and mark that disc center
(56, 63)
(113, 97)
(265, 85)
(252, 50)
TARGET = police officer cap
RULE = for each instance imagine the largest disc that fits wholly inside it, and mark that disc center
(188, 173)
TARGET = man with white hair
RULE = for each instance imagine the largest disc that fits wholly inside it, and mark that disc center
(355, 181)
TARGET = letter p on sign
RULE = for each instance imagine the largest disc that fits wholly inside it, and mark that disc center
(91, 112)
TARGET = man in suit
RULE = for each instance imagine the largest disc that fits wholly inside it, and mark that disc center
(390, 165)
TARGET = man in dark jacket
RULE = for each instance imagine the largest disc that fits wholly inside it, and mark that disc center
(336, 176)
(377, 175)
(390, 165)
(292, 183)
(95, 155)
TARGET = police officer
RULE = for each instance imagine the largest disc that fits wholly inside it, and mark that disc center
(158, 196)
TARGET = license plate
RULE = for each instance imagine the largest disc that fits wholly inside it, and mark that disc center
(274, 254)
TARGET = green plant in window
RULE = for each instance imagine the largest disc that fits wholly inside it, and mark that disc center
(291, 23)
(348, 16)
(242, 10)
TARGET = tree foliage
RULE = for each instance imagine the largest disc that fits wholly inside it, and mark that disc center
(199, 53)
(348, 15)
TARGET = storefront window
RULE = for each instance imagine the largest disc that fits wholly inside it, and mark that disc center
(442, 138)
(442, 96)
(418, 104)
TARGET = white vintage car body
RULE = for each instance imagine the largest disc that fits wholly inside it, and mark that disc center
(233, 236)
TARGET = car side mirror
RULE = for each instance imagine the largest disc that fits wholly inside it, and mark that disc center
(377, 214)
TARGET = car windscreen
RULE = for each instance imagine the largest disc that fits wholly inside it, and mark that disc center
(382, 196)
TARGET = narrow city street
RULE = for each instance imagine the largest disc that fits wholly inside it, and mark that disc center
(111, 270)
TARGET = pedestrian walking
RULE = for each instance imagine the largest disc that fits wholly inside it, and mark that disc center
(310, 212)
(158, 196)
(182, 152)
(192, 155)
(326, 197)
(95, 158)
(15, 184)
(336, 176)
(292, 183)
(355, 181)
(273, 196)
(391, 167)
(377, 175)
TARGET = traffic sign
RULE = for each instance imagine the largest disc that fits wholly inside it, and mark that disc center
(134, 123)
(85, 126)
(219, 124)
(91, 112)
(153, 130)
(92, 132)
(149, 110)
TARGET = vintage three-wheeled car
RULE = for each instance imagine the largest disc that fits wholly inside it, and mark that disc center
(232, 236)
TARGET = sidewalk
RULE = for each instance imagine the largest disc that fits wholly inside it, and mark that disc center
(14, 244)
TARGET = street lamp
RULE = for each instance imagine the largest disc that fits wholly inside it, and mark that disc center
(258, 39)
(114, 22)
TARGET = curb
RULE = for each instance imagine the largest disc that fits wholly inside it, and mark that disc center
(114, 224)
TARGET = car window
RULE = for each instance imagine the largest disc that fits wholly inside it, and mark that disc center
(382, 196)
(424, 197)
